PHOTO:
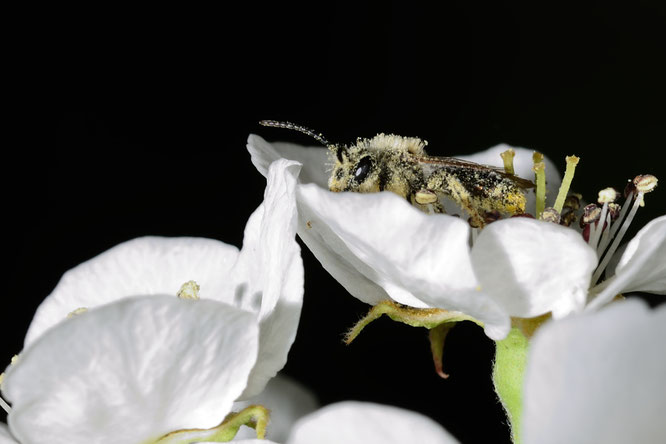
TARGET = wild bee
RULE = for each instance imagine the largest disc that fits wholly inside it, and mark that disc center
(399, 164)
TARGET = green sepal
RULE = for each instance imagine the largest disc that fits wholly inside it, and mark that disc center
(255, 416)
(437, 321)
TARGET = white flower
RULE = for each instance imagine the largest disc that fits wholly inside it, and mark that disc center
(379, 247)
(141, 362)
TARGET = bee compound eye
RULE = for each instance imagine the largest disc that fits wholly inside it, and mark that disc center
(362, 169)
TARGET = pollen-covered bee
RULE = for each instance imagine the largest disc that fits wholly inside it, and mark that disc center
(399, 164)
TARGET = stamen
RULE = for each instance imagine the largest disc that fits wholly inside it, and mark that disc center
(597, 228)
(606, 196)
(539, 169)
(614, 211)
(572, 161)
(644, 184)
(189, 290)
(550, 215)
(4, 405)
(507, 158)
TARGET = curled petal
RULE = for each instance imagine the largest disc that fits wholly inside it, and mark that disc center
(377, 245)
(142, 266)
(598, 378)
(131, 371)
(268, 277)
(314, 159)
(353, 422)
(531, 267)
(642, 266)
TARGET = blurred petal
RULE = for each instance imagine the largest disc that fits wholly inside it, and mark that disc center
(531, 267)
(598, 378)
(143, 266)
(314, 159)
(132, 371)
(268, 277)
(287, 401)
(642, 266)
(367, 423)
(251, 441)
(5, 436)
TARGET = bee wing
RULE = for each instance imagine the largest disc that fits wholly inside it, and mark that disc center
(430, 163)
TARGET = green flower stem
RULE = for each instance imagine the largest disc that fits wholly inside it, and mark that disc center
(509, 368)
(508, 372)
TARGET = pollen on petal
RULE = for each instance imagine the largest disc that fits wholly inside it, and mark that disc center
(77, 312)
(189, 290)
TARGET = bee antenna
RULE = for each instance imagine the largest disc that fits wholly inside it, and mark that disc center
(292, 126)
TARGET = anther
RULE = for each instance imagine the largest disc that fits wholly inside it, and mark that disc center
(591, 213)
(645, 183)
(614, 210)
(572, 201)
(568, 217)
(607, 195)
(550, 215)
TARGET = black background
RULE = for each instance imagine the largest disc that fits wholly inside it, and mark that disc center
(133, 122)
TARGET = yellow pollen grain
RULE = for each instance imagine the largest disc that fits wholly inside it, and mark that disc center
(189, 290)
(76, 312)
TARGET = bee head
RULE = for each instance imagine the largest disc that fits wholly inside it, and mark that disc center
(354, 166)
(355, 169)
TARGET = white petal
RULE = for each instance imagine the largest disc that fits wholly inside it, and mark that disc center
(287, 401)
(598, 378)
(532, 267)
(642, 266)
(132, 371)
(268, 277)
(367, 423)
(143, 266)
(5, 436)
(377, 245)
(314, 159)
(251, 441)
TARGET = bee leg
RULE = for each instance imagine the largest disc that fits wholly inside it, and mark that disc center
(427, 201)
